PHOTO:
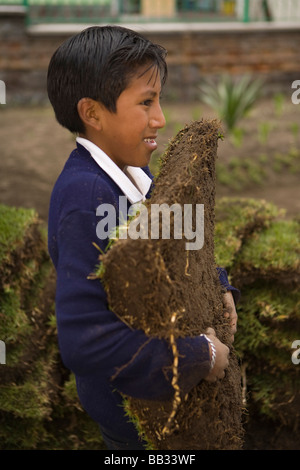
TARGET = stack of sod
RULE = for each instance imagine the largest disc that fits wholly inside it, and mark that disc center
(169, 292)
(38, 404)
(25, 390)
(260, 249)
(39, 408)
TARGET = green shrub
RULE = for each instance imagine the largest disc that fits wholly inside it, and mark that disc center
(231, 99)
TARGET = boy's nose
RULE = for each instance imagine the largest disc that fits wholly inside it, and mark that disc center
(157, 121)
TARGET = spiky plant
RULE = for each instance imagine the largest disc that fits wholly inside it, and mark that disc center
(232, 99)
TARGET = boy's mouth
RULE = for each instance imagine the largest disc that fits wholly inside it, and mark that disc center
(151, 143)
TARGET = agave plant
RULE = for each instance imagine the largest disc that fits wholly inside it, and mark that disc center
(231, 99)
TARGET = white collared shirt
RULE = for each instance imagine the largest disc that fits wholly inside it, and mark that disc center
(134, 192)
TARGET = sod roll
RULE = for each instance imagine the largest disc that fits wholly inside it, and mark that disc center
(170, 291)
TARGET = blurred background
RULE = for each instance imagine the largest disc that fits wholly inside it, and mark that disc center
(212, 46)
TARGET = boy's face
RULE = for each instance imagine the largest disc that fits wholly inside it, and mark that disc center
(128, 136)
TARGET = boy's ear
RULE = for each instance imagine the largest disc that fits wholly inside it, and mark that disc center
(89, 112)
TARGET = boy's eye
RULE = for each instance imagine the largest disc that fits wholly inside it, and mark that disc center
(147, 102)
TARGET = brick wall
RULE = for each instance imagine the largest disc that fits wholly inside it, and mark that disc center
(194, 51)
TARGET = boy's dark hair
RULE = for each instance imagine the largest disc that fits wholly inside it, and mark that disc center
(98, 63)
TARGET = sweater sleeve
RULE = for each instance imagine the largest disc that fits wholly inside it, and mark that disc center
(94, 341)
(225, 283)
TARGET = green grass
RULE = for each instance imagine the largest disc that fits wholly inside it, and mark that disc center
(277, 248)
(14, 223)
(30, 396)
(255, 242)
(266, 317)
(14, 324)
(39, 407)
(237, 218)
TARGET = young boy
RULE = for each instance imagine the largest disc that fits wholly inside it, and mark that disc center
(104, 85)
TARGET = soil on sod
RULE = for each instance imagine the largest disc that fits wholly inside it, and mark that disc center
(171, 292)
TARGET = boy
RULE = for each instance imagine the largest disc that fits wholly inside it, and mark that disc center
(104, 85)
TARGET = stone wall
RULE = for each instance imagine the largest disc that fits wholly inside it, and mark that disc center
(195, 50)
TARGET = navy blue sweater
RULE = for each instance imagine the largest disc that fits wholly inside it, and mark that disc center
(94, 343)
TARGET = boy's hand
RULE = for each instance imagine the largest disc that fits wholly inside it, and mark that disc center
(221, 359)
(230, 312)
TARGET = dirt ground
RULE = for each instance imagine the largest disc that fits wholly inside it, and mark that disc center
(34, 149)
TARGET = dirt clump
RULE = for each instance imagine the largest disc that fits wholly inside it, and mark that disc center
(170, 291)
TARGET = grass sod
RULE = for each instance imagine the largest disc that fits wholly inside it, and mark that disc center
(29, 380)
(236, 220)
(21, 433)
(70, 427)
(25, 390)
(272, 385)
(271, 254)
(267, 268)
(25, 326)
(268, 318)
(31, 399)
(25, 270)
(264, 263)
(22, 245)
(268, 315)
(168, 305)
(39, 407)
(14, 223)
(274, 396)
(268, 322)
(14, 321)
(63, 427)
